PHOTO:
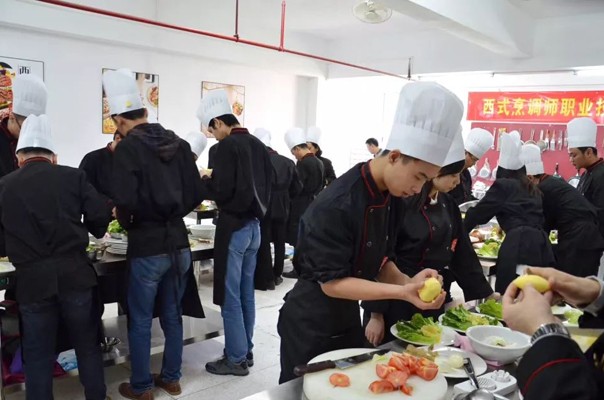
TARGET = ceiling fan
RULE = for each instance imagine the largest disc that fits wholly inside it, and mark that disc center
(371, 12)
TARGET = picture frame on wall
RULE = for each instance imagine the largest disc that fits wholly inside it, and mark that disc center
(235, 94)
(10, 67)
(148, 85)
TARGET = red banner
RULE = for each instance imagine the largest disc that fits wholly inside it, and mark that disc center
(546, 107)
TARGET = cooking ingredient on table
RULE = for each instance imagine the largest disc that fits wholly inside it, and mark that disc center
(490, 249)
(539, 283)
(448, 364)
(339, 379)
(572, 316)
(399, 369)
(491, 308)
(430, 290)
(420, 329)
(115, 227)
(426, 352)
(460, 318)
(498, 341)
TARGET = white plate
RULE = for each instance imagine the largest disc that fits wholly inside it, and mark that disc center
(447, 337)
(442, 316)
(560, 310)
(480, 366)
(486, 258)
(117, 252)
(478, 310)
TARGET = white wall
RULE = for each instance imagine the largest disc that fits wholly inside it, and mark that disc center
(274, 100)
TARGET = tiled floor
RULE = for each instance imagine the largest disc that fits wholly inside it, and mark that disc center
(196, 382)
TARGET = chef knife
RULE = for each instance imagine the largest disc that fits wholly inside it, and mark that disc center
(342, 363)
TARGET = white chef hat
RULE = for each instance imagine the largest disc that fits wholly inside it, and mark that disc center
(294, 137)
(478, 142)
(582, 132)
(29, 95)
(530, 155)
(35, 133)
(509, 158)
(197, 141)
(214, 104)
(313, 135)
(264, 136)
(456, 151)
(426, 121)
(122, 92)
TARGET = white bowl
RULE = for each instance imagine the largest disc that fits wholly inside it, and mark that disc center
(479, 338)
(203, 231)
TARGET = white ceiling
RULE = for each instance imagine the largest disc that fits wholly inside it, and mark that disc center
(559, 8)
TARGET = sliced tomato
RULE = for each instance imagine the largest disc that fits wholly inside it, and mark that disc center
(382, 370)
(397, 378)
(399, 363)
(381, 387)
(427, 373)
(339, 380)
(407, 389)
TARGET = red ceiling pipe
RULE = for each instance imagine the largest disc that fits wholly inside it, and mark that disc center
(214, 35)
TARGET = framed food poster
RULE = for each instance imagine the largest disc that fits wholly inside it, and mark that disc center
(148, 85)
(236, 95)
(9, 68)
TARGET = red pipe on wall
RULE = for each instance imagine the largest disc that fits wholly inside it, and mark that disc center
(235, 38)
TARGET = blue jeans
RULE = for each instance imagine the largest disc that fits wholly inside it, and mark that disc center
(152, 277)
(80, 313)
(239, 308)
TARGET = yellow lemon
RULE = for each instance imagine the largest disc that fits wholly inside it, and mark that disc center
(539, 283)
(431, 290)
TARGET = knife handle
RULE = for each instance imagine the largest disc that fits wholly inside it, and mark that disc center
(300, 370)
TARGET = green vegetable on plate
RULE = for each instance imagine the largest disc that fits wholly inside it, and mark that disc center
(461, 319)
(419, 329)
(492, 309)
(490, 248)
(115, 227)
(572, 316)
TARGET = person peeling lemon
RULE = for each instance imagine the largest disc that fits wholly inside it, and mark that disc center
(430, 291)
(540, 284)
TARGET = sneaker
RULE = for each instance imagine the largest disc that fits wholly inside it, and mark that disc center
(250, 359)
(223, 366)
(278, 281)
(172, 388)
(126, 391)
(292, 274)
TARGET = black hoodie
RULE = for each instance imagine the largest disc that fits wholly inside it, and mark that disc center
(156, 184)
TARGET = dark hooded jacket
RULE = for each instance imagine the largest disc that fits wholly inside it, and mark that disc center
(156, 184)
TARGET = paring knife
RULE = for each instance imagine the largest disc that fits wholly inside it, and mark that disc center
(342, 363)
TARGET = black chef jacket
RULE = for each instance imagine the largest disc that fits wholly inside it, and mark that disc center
(212, 156)
(432, 237)
(328, 171)
(98, 165)
(462, 193)
(311, 173)
(241, 187)
(8, 145)
(520, 215)
(346, 232)
(285, 186)
(591, 186)
(42, 233)
(580, 243)
(156, 184)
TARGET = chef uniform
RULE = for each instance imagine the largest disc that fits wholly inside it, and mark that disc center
(314, 136)
(519, 214)
(431, 235)
(478, 142)
(582, 132)
(98, 165)
(311, 173)
(198, 143)
(580, 244)
(285, 186)
(47, 211)
(348, 231)
(29, 97)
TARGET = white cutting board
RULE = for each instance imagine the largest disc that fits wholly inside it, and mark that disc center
(317, 386)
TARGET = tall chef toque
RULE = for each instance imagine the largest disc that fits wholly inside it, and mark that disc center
(582, 132)
(509, 158)
(426, 121)
(122, 91)
(294, 137)
(197, 141)
(35, 133)
(313, 135)
(214, 104)
(456, 152)
(264, 136)
(530, 155)
(478, 142)
(29, 95)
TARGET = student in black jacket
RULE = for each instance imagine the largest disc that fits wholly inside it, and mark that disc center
(240, 184)
(313, 138)
(156, 184)
(46, 213)
(98, 165)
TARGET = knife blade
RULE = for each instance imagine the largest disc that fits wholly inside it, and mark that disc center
(342, 363)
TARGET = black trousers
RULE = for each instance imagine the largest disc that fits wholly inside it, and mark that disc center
(271, 230)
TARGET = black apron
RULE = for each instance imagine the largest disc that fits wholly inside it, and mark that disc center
(312, 323)
(226, 224)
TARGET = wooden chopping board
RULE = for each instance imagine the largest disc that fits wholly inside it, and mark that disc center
(317, 386)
